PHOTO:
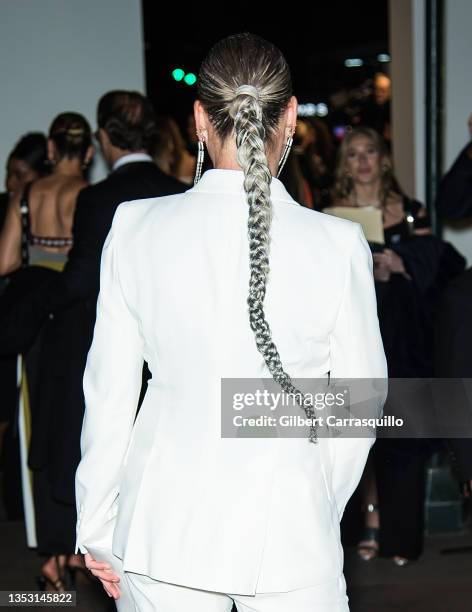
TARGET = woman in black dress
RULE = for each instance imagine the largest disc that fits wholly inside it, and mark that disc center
(410, 270)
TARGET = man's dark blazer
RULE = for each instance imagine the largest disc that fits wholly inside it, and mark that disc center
(454, 199)
(453, 351)
(65, 306)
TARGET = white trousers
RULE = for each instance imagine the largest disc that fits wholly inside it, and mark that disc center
(151, 595)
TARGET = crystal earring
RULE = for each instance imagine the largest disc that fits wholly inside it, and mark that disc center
(200, 159)
(286, 152)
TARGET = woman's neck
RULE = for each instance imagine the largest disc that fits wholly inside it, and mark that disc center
(225, 159)
(68, 167)
(367, 194)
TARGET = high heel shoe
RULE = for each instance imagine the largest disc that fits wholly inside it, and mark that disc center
(368, 546)
(43, 581)
(59, 584)
(366, 551)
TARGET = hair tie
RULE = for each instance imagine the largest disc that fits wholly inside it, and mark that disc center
(247, 90)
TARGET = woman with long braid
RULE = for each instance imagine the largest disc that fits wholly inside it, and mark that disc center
(173, 515)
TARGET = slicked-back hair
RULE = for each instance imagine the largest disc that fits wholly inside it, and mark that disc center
(128, 118)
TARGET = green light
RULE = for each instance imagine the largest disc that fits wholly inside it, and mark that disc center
(178, 74)
(190, 78)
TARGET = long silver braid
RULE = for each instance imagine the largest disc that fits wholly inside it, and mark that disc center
(244, 85)
(250, 137)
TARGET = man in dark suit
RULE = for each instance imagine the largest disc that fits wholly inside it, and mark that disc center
(454, 325)
(454, 199)
(453, 357)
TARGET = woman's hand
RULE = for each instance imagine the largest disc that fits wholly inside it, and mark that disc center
(394, 262)
(104, 572)
(381, 270)
(386, 263)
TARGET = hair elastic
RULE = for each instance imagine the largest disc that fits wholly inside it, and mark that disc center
(247, 90)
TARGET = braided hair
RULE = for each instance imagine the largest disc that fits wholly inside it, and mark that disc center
(244, 86)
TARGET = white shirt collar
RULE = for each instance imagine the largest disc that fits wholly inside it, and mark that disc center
(218, 180)
(131, 158)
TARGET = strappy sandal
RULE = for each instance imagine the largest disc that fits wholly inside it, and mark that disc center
(43, 581)
(368, 546)
(365, 550)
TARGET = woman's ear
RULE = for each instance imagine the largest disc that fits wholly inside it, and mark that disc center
(291, 114)
(201, 120)
(89, 155)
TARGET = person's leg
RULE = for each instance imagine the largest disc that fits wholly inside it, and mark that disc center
(368, 545)
(401, 475)
(151, 595)
(327, 597)
(49, 531)
(11, 465)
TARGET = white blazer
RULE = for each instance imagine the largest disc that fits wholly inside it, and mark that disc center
(174, 499)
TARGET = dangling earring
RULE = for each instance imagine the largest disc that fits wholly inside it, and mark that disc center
(286, 152)
(200, 159)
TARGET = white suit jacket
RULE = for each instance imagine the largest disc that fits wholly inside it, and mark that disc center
(174, 499)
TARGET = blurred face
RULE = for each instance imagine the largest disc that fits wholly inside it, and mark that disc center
(363, 160)
(304, 135)
(18, 175)
(382, 89)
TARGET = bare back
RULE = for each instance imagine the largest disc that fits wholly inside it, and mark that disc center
(52, 202)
